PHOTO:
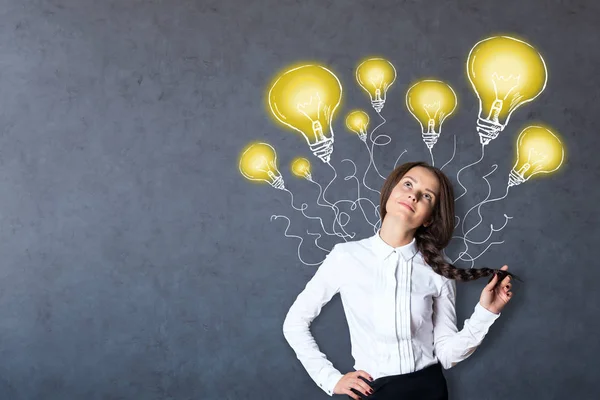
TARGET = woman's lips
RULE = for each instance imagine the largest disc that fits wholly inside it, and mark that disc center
(407, 206)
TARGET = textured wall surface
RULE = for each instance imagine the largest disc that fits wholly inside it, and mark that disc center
(138, 263)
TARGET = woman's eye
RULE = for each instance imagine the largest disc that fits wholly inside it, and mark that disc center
(428, 197)
(407, 184)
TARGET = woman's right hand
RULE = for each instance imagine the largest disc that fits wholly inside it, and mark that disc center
(352, 380)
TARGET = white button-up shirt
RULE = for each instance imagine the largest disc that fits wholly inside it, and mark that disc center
(401, 314)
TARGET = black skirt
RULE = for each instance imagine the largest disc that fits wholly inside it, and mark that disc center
(426, 384)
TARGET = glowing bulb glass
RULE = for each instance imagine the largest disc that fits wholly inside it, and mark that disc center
(375, 76)
(301, 168)
(305, 99)
(258, 162)
(505, 74)
(539, 151)
(431, 102)
(358, 121)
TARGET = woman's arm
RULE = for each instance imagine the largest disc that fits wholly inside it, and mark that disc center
(307, 306)
(452, 346)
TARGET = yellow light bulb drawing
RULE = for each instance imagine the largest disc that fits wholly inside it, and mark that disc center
(358, 121)
(258, 162)
(305, 99)
(431, 102)
(505, 73)
(375, 76)
(301, 168)
(538, 151)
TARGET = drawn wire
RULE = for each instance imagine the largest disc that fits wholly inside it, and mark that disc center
(294, 236)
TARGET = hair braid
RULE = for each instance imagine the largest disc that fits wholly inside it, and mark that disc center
(431, 240)
(430, 249)
(435, 259)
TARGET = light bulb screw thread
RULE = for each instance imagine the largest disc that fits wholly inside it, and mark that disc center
(430, 139)
(278, 183)
(378, 105)
(363, 136)
(488, 130)
(514, 178)
(323, 149)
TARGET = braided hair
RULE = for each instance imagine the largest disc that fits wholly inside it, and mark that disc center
(431, 240)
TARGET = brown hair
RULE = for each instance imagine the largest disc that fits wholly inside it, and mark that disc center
(431, 240)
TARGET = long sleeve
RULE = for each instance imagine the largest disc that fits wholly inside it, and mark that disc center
(452, 346)
(307, 306)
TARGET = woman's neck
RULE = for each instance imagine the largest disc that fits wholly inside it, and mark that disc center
(395, 234)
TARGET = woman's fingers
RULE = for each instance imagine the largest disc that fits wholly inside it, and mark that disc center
(350, 393)
(363, 387)
(507, 291)
(364, 374)
(364, 379)
(356, 393)
(355, 384)
(358, 386)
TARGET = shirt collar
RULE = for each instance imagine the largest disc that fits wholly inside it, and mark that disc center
(383, 250)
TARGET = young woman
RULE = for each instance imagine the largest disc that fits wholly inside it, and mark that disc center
(398, 291)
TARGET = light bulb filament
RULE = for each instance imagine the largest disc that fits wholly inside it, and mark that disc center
(431, 126)
(435, 106)
(377, 80)
(524, 169)
(318, 131)
(503, 84)
(377, 94)
(315, 109)
(538, 158)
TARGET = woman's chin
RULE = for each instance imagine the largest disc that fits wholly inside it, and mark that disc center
(401, 215)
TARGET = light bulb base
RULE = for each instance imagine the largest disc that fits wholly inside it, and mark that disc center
(363, 136)
(514, 178)
(378, 105)
(430, 139)
(323, 149)
(308, 177)
(278, 183)
(488, 130)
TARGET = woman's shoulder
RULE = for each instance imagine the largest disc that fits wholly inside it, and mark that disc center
(352, 246)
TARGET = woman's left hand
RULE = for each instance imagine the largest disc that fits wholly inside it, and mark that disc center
(495, 296)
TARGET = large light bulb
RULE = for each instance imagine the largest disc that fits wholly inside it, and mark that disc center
(301, 168)
(358, 121)
(258, 162)
(505, 73)
(538, 151)
(376, 75)
(431, 102)
(305, 99)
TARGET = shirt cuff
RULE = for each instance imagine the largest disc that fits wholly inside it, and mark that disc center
(328, 378)
(484, 315)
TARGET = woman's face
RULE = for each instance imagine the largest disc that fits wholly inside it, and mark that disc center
(414, 197)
